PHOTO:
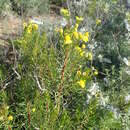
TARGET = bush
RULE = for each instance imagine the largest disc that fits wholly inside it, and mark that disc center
(110, 47)
(74, 79)
(27, 7)
(55, 89)
(3, 5)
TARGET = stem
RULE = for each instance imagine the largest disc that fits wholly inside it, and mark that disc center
(64, 66)
(9, 127)
(29, 117)
(62, 79)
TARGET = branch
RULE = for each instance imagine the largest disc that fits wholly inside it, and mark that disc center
(60, 88)
(38, 83)
(10, 79)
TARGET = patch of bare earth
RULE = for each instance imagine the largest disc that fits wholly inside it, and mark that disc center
(10, 27)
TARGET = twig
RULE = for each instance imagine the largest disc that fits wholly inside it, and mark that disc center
(38, 83)
(55, 6)
(29, 116)
(18, 75)
(10, 79)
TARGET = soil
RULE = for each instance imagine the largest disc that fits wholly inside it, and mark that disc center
(11, 25)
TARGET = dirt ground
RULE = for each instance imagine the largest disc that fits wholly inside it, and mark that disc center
(11, 25)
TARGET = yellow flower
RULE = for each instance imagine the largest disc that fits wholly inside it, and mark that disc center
(24, 25)
(35, 26)
(60, 30)
(79, 19)
(76, 35)
(82, 53)
(33, 110)
(10, 118)
(80, 35)
(82, 83)
(65, 12)
(78, 49)
(85, 38)
(98, 21)
(86, 34)
(67, 39)
(78, 73)
(95, 72)
(89, 56)
(31, 27)
(29, 30)
(83, 46)
(76, 27)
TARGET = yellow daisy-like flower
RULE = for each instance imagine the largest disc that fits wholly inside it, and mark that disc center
(83, 46)
(98, 21)
(82, 83)
(65, 12)
(10, 118)
(76, 35)
(79, 19)
(67, 39)
(34, 109)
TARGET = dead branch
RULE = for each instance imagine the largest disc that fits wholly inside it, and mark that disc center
(38, 83)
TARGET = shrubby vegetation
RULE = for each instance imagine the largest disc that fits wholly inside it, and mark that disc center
(25, 7)
(77, 78)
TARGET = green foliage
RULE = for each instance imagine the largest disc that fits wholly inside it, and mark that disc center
(55, 86)
(110, 47)
(33, 6)
(3, 5)
(25, 7)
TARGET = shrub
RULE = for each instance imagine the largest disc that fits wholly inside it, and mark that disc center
(3, 5)
(55, 89)
(29, 7)
(110, 38)
(73, 79)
